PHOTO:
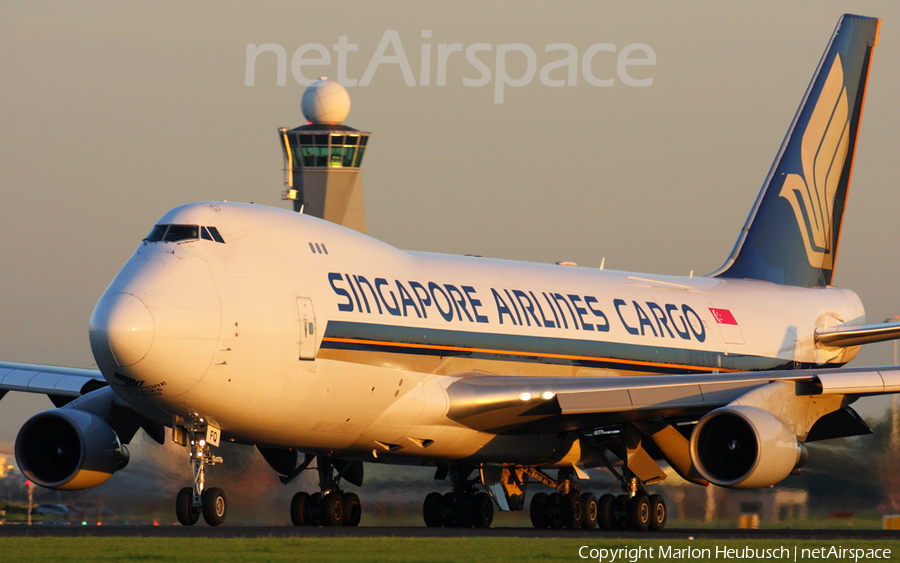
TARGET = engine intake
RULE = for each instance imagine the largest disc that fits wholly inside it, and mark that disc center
(69, 449)
(743, 447)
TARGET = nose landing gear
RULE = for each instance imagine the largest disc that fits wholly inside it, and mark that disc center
(195, 500)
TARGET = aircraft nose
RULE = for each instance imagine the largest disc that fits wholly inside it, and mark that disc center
(122, 327)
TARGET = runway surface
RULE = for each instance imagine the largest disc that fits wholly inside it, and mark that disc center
(201, 531)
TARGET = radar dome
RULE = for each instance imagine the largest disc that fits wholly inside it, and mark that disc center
(325, 101)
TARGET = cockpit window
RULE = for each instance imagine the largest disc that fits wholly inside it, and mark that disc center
(176, 233)
(182, 232)
(215, 235)
(156, 233)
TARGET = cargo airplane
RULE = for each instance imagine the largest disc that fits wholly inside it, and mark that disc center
(317, 343)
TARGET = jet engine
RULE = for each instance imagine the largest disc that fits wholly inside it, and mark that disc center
(744, 447)
(69, 449)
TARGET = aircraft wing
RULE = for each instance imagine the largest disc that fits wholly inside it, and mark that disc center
(526, 404)
(61, 384)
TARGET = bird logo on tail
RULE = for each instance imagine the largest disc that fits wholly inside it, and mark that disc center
(823, 152)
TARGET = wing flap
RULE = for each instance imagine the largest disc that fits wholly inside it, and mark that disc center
(664, 393)
(49, 380)
(859, 382)
(685, 396)
(666, 397)
(722, 393)
(70, 385)
(595, 402)
(42, 381)
(16, 379)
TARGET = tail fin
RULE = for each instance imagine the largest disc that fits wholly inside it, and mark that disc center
(791, 235)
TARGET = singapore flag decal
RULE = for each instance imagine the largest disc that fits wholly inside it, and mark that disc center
(728, 326)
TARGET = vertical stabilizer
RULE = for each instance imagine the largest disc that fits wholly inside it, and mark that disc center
(791, 235)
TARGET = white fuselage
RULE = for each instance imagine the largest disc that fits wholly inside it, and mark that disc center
(297, 332)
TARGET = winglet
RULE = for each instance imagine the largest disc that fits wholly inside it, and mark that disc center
(791, 236)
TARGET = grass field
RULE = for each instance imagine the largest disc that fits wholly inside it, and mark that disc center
(389, 549)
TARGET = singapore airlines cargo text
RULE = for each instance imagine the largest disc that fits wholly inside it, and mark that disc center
(561, 70)
(635, 554)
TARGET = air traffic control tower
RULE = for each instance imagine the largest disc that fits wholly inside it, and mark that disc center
(322, 158)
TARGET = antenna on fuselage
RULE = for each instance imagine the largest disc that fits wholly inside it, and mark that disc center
(322, 158)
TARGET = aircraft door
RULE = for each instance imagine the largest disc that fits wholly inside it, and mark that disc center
(307, 328)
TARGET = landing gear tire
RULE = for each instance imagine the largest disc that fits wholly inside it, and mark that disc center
(184, 508)
(554, 503)
(352, 510)
(538, 510)
(605, 512)
(638, 511)
(315, 501)
(448, 516)
(482, 510)
(332, 509)
(335, 507)
(620, 513)
(432, 510)
(299, 509)
(214, 506)
(658, 513)
(462, 510)
(458, 510)
(589, 502)
(571, 511)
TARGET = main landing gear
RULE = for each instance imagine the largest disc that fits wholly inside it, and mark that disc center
(641, 512)
(465, 507)
(194, 500)
(330, 506)
(567, 508)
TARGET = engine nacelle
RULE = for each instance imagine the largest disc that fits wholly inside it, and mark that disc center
(743, 447)
(69, 449)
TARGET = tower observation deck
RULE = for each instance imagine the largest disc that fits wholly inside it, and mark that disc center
(322, 158)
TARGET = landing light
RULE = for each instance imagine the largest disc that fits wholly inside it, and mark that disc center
(546, 395)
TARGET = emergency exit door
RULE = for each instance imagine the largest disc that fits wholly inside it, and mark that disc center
(307, 328)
